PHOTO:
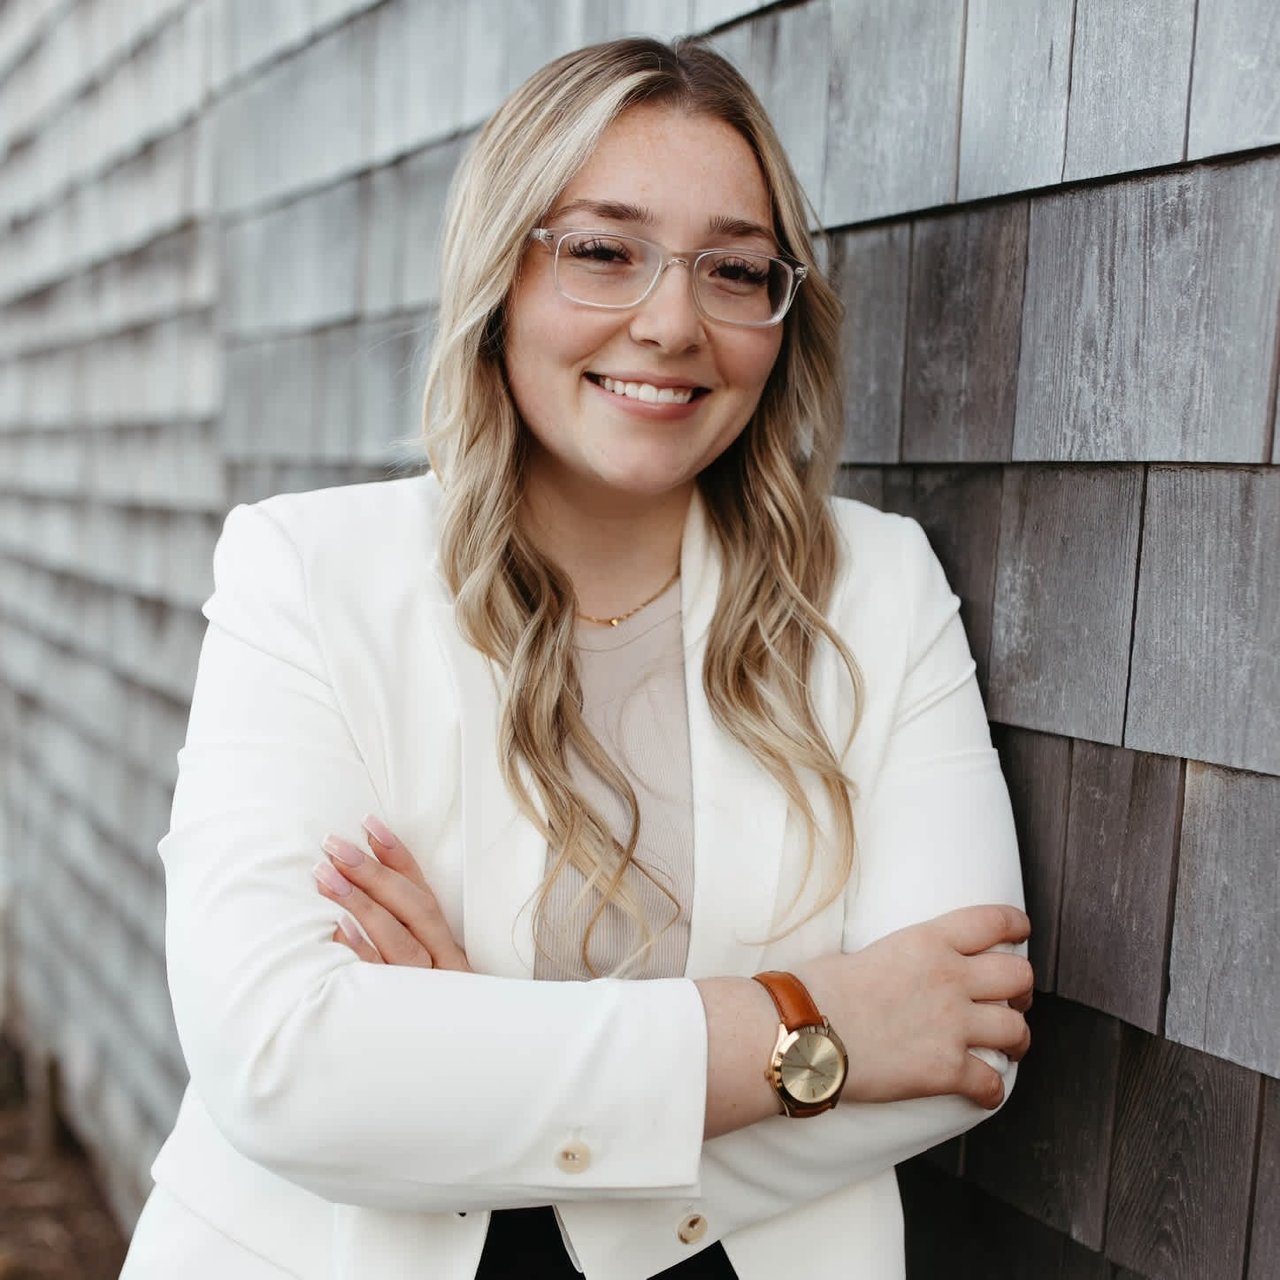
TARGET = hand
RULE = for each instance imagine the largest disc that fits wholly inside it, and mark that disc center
(910, 1006)
(390, 899)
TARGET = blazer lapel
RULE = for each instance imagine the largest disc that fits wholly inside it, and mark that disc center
(739, 811)
(504, 857)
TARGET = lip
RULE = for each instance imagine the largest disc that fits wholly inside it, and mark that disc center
(642, 409)
(653, 379)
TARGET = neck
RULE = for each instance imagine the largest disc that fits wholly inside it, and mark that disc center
(616, 549)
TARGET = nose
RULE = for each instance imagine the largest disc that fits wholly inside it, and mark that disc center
(667, 318)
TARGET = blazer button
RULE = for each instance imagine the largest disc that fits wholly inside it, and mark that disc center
(692, 1228)
(574, 1157)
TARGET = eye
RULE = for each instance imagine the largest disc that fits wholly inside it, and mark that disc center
(598, 249)
(740, 272)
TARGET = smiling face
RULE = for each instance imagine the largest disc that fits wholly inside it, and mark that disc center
(628, 406)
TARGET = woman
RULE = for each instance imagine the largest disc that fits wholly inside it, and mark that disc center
(626, 687)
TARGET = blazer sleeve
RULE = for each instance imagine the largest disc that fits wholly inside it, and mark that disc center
(378, 1085)
(935, 833)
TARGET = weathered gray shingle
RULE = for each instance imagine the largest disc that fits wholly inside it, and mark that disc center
(962, 337)
(1017, 69)
(1130, 76)
(1117, 887)
(1148, 306)
(1183, 1161)
(1223, 997)
(1205, 681)
(1235, 87)
(1064, 599)
(1047, 1152)
(870, 271)
(894, 107)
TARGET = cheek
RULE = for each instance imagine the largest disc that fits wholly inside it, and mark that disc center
(531, 358)
(750, 361)
(548, 346)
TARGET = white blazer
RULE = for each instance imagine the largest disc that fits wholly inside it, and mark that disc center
(347, 1121)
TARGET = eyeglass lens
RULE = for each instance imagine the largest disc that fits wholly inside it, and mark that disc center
(736, 286)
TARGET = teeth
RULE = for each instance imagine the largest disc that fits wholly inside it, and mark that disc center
(648, 393)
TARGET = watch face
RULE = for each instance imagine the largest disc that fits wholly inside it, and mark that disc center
(812, 1068)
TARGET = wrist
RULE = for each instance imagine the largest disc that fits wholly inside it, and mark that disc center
(808, 1066)
(741, 1027)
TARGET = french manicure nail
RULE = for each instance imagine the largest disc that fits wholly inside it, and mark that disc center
(343, 850)
(378, 830)
(350, 931)
(332, 879)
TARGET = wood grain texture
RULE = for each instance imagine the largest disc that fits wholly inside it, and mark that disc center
(608, 19)
(435, 56)
(244, 371)
(895, 89)
(1223, 993)
(384, 211)
(735, 43)
(710, 13)
(864, 484)
(1037, 767)
(1206, 671)
(777, 53)
(388, 125)
(389, 373)
(533, 32)
(287, 423)
(425, 180)
(1046, 1152)
(785, 47)
(946, 1222)
(1275, 400)
(1182, 1162)
(870, 271)
(956, 1232)
(1130, 76)
(1122, 836)
(336, 405)
(965, 324)
(1064, 599)
(1235, 87)
(1264, 1243)
(1017, 64)
(959, 508)
(1150, 318)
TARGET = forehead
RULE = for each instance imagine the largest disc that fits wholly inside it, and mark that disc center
(687, 169)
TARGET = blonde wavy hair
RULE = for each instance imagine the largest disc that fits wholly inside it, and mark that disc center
(766, 496)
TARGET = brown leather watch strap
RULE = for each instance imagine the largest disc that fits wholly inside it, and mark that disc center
(790, 995)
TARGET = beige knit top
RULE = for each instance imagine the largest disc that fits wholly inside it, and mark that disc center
(634, 702)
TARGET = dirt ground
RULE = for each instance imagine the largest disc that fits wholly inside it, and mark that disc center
(54, 1224)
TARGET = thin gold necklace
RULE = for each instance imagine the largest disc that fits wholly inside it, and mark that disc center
(630, 613)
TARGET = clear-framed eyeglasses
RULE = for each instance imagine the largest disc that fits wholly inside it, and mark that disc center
(730, 286)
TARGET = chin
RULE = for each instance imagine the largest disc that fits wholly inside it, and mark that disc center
(653, 475)
(646, 485)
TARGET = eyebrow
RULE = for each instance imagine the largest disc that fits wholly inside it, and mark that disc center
(721, 224)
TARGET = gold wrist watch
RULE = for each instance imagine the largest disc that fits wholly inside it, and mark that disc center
(809, 1062)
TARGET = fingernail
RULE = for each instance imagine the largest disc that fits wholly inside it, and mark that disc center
(378, 830)
(350, 930)
(333, 879)
(343, 850)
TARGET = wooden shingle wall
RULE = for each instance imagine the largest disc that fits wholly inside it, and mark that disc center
(1056, 229)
